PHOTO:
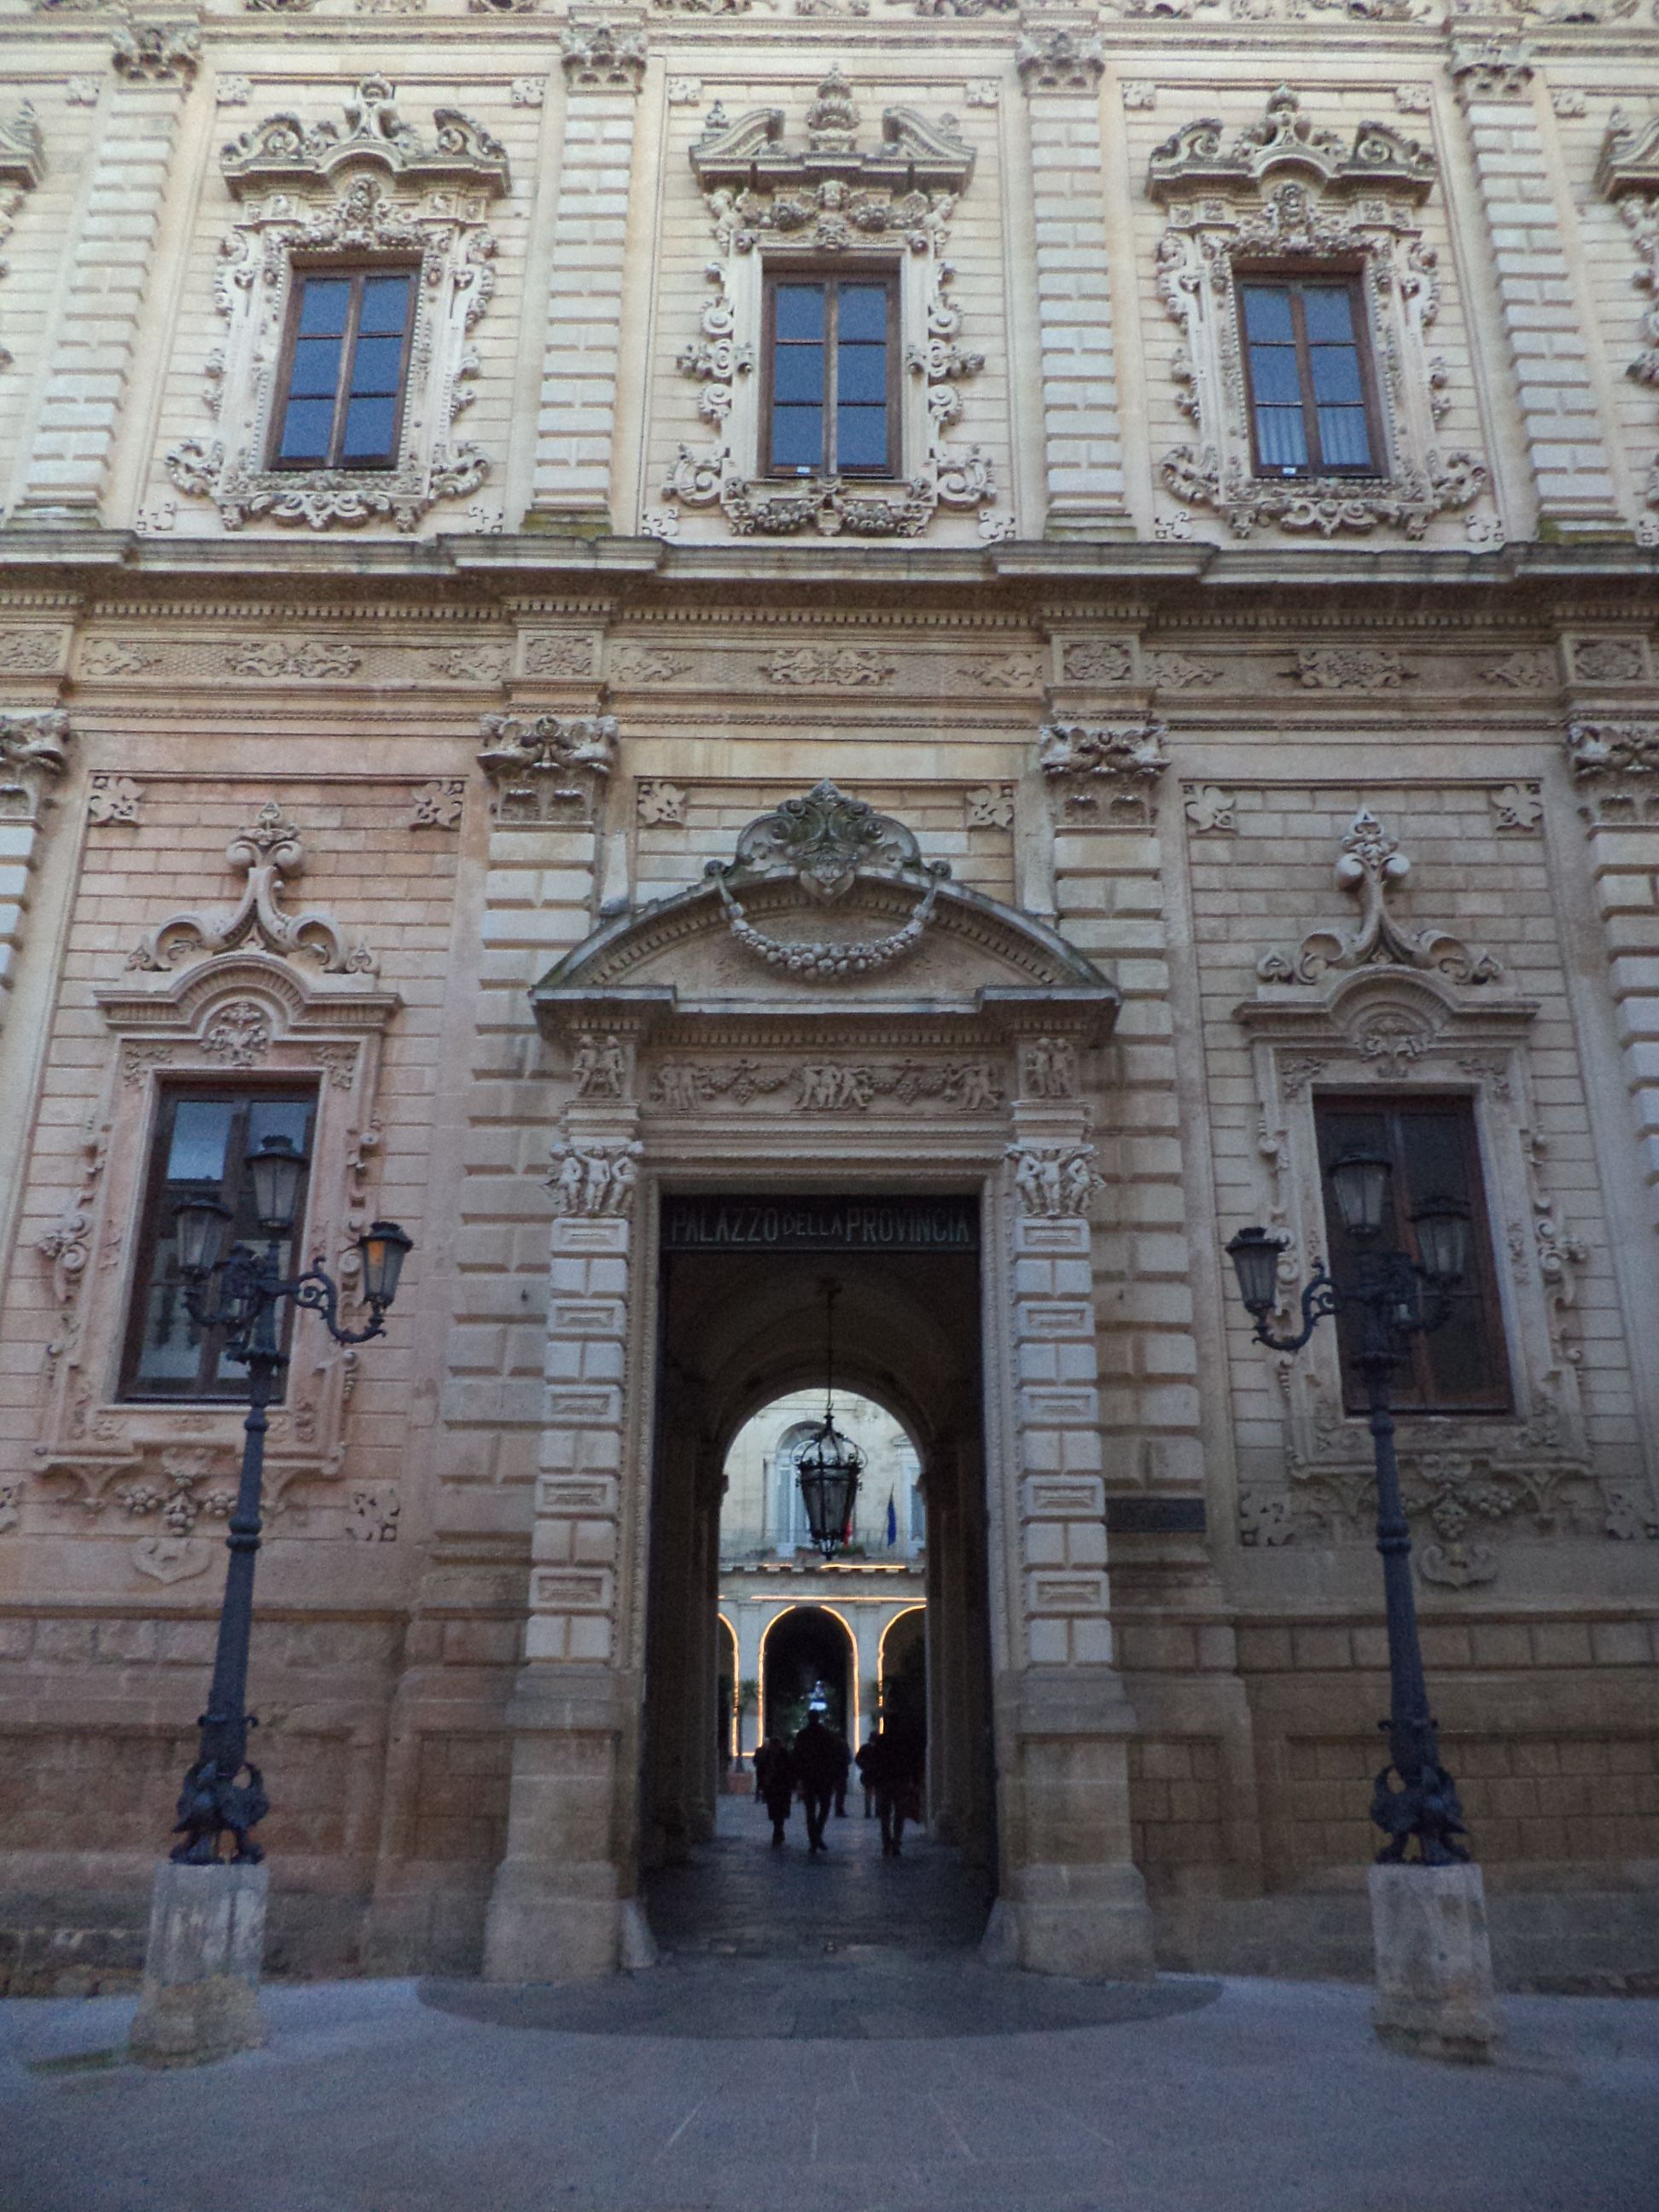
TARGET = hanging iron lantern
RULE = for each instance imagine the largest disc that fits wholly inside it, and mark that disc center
(828, 1464)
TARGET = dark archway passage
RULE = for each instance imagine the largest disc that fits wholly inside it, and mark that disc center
(742, 1325)
(806, 1649)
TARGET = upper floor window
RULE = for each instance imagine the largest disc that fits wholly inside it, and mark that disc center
(1309, 376)
(204, 1134)
(831, 376)
(1461, 1366)
(341, 389)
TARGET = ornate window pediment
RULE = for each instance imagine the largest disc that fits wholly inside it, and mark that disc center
(888, 207)
(1286, 196)
(373, 188)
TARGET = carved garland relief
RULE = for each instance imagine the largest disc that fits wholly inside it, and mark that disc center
(1288, 193)
(891, 204)
(374, 188)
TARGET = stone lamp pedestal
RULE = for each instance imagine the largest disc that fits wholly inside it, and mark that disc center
(1434, 1989)
(207, 1935)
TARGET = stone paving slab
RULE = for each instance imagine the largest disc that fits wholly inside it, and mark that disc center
(1272, 2097)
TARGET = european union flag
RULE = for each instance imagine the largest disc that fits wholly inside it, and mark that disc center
(892, 1522)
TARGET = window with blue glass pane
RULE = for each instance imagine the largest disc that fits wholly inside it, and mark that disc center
(346, 368)
(1305, 350)
(829, 402)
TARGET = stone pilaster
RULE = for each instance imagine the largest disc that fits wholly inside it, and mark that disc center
(32, 756)
(65, 472)
(1072, 1900)
(1615, 761)
(1060, 70)
(1569, 443)
(603, 64)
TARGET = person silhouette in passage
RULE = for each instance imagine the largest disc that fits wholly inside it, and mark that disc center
(893, 1770)
(844, 1754)
(817, 1770)
(775, 1783)
(861, 1760)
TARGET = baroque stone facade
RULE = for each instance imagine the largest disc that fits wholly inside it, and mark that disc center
(1011, 850)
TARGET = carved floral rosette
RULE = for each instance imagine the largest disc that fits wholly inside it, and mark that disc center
(376, 189)
(118, 1464)
(1285, 192)
(890, 206)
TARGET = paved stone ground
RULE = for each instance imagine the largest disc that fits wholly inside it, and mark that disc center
(932, 2084)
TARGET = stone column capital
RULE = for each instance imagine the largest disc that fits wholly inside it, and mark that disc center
(609, 54)
(1058, 60)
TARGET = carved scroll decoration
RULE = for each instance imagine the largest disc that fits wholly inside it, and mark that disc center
(374, 188)
(1371, 867)
(268, 854)
(1286, 192)
(893, 203)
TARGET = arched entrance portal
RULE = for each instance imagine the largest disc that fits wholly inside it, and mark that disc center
(807, 1653)
(823, 1052)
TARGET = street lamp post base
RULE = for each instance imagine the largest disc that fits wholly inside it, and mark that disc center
(1434, 1989)
(200, 1999)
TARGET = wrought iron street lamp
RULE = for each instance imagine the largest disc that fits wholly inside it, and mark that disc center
(240, 1293)
(1395, 1298)
(828, 1464)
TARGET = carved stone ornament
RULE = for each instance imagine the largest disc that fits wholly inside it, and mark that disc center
(1371, 867)
(268, 854)
(1288, 194)
(1615, 766)
(826, 841)
(375, 187)
(1058, 61)
(1053, 1181)
(593, 1181)
(1491, 68)
(1628, 172)
(34, 753)
(551, 762)
(1093, 765)
(603, 57)
(892, 202)
(156, 53)
(22, 163)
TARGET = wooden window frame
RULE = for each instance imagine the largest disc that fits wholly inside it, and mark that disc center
(1415, 1370)
(132, 1390)
(358, 270)
(1294, 278)
(831, 275)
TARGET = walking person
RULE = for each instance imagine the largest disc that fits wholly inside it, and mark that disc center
(843, 1753)
(861, 1760)
(775, 1783)
(817, 1768)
